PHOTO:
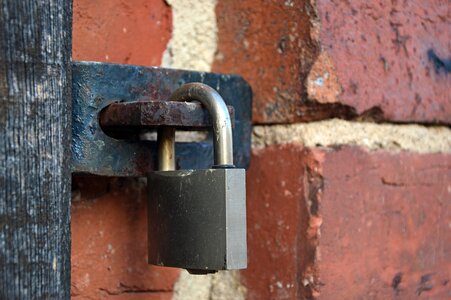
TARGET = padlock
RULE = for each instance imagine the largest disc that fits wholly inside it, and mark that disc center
(197, 218)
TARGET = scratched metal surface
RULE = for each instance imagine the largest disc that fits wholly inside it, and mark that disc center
(94, 85)
(151, 114)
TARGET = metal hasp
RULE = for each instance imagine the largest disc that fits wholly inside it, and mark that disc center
(143, 92)
(197, 218)
(140, 115)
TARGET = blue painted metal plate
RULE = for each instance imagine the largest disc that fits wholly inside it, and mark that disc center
(95, 85)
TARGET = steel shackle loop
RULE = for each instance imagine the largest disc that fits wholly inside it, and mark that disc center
(222, 126)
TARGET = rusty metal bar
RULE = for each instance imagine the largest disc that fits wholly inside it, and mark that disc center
(151, 114)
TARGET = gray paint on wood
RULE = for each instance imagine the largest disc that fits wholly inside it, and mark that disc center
(35, 92)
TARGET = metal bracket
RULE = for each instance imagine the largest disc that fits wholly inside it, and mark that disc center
(142, 90)
(136, 116)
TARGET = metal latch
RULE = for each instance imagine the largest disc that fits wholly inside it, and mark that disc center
(113, 103)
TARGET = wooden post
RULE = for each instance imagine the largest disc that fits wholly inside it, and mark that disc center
(35, 114)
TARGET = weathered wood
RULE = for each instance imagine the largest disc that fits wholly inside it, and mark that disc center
(35, 93)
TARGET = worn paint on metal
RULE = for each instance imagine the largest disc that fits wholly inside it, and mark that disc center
(96, 85)
(151, 114)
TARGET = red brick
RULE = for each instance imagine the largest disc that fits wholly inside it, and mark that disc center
(382, 53)
(275, 216)
(347, 224)
(385, 60)
(109, 242)
(269, 43)
(143, 296)
(109, 216)
(384, 214)
(121, 31)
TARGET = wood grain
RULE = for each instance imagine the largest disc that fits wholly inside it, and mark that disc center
(35, 93)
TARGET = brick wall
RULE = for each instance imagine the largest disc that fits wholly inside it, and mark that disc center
(349, 189)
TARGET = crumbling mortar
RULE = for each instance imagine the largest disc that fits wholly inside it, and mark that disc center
(194, 35)
(336, 132)
(220, 286)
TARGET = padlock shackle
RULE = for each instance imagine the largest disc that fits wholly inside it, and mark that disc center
(220, 118)
(166, 148)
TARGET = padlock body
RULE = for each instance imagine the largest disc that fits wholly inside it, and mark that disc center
(197, 219)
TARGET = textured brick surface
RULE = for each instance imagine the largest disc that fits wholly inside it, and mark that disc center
(348, 224)
(269, 43)
(390, 55)
(384, 60)
(109, 216)
(274, 218)
(385, 225)
(338, 223)
(109, 242)
(121, 31)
